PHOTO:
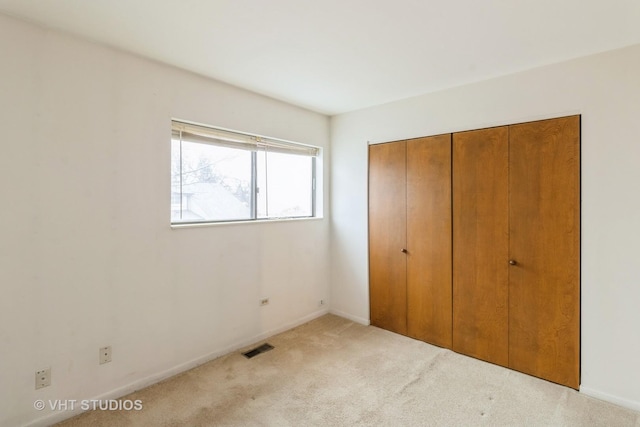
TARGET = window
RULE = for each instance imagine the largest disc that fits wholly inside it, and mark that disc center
(219, 175)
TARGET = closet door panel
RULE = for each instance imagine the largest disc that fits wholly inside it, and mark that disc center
(387, 236)
(481, 244)
(544, 220)
(429, 239)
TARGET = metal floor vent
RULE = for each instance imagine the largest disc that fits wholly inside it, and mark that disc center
(256, 351)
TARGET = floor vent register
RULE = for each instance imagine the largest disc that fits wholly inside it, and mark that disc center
(258, 350)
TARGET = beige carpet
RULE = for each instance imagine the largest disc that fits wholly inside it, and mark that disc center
(333, 372)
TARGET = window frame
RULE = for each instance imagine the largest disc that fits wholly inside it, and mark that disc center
(253, 143)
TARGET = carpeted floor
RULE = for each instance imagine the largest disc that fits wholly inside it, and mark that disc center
(333, 372)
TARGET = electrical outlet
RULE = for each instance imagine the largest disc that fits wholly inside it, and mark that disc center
(43, 378)
(105, 355)
(264, 301)
(321, 302)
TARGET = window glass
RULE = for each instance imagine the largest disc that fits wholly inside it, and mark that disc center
(219, 175)
(214, 182)
(285, 186)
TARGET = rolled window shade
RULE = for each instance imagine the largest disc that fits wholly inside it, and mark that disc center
(205, 135)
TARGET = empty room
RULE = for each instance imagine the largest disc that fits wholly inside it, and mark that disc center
(286, 213)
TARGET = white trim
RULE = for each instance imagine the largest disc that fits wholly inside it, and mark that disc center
(351, 317)
(56, 417)
(620, 401)
(178, 225)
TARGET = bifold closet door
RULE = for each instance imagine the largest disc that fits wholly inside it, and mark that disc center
(481, 244)
(544, 295)
(387, 236)
(474, 244)
(429, 239)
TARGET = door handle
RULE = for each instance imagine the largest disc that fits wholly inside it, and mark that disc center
(404, 250)
(513, 262)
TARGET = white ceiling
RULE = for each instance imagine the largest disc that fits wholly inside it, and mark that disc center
(334, 56)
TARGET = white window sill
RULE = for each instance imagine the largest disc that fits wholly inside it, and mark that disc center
(251, 221)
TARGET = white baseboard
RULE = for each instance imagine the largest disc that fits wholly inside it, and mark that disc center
(57, 417)
(620, 401)
(356, 319)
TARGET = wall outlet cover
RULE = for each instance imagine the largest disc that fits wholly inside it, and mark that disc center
(105, 355)
(43, 378)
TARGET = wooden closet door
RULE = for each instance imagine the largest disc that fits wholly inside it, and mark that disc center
(481, 244)
(429, 239)
(387, 236)
(544, 296)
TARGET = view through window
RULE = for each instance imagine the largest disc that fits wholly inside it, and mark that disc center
(219, 176)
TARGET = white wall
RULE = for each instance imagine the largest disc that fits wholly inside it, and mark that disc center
(87, 257)
(603, 88)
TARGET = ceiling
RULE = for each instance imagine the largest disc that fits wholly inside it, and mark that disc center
(334, 56)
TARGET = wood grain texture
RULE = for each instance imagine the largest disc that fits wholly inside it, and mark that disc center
(544, 296)
(429, 239)
(387, 236)
(481, 244)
